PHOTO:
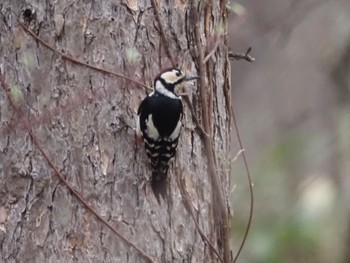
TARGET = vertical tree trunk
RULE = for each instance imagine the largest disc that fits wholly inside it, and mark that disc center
(75, 112)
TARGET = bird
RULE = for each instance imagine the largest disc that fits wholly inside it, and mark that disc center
(159, 122)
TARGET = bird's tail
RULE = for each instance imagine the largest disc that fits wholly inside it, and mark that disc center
(158, 183)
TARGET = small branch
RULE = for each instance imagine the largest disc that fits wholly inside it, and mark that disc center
(234, 159)
(62, 179)
(239, 56)
(75, 61)
(162, 34)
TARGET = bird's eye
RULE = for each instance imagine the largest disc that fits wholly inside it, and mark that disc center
(178, 74)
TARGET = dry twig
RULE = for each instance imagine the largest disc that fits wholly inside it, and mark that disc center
(75, 61)
(239, 56)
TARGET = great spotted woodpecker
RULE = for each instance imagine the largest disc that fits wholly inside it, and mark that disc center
(159, 124)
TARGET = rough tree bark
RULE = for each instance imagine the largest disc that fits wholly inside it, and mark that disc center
(74, 112)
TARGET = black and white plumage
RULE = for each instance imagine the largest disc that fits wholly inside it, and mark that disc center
(159, 124)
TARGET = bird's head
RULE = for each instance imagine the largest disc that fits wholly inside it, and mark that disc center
(166, 82)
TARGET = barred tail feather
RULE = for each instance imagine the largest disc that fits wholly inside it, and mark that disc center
(160, 153)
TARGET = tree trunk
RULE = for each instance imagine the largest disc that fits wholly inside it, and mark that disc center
(76, 114)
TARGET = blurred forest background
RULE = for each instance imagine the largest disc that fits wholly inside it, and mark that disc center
(293, 111)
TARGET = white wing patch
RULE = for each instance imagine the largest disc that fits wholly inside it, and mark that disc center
(177, 130)
(151, 131)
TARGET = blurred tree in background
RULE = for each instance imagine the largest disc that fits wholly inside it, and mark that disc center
(293, 108)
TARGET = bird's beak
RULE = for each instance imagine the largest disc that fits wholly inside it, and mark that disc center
(191, 78)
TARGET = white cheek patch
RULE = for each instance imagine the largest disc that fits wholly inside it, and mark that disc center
(151, 131)
(177, 130)
(170, 77)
